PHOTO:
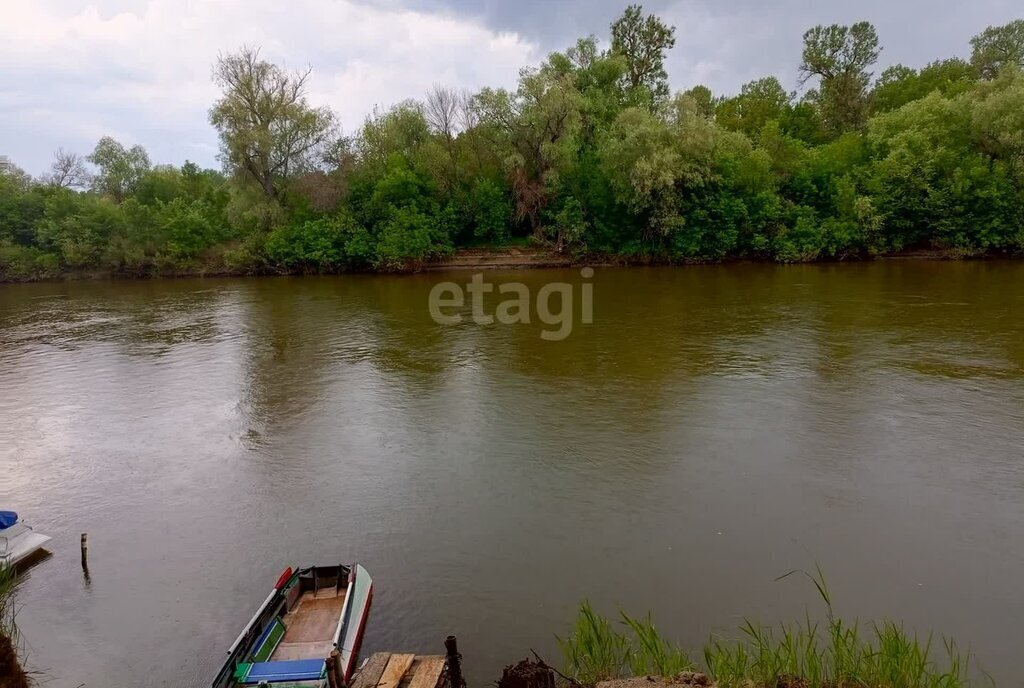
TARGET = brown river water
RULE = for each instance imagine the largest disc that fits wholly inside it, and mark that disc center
(712, 429)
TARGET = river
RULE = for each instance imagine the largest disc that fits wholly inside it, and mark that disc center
(712, 429)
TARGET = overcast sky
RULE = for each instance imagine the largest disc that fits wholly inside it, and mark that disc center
(72, 71)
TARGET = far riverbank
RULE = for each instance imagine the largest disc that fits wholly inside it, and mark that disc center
(513, 257)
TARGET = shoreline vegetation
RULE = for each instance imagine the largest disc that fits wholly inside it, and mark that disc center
(589, 158)
(827, 653)
(11, 673)
(477, 259)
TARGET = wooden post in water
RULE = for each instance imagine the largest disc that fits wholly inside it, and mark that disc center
(455, 679)
(85, 559)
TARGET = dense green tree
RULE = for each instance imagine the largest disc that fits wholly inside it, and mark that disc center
(899, 85)
(399, 132)
(643, 41)
(21, 204)
(758, 103)
(536, 130)
(998, 47)
(703, 100)
(491, 211)
(839, 57)
(946, 170)
(269, 133)
(651, 161)
(321, 245)
(120, 169)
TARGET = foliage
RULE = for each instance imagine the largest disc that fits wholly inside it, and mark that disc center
(8, 584)
(119, 169)
(642, 42)
(758, 103)
(408, 237)
(594, 651)
(900, 85)
(268, 131)
(839, 57)
(997, 48)
(491, 211)
(833, 653)
(814, 654)
(587, 154)
(321, 245)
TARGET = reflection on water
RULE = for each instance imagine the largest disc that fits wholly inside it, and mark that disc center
(714, 428)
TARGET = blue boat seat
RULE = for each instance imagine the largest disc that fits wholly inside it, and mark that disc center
(285, 670)
(7, 519)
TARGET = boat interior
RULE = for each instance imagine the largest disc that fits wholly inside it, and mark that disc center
(301, 630)
(312, 613)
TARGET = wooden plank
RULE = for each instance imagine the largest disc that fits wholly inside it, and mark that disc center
(287, 651)
(395, 670)
(428, 672)
(314, 620)
(369, 675)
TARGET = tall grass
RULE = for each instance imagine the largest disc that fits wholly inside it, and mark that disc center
(8, 581)
(649, 653)
(595, 650)
(831, 653)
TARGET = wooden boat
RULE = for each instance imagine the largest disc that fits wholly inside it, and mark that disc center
(17, 539)
(306, 633)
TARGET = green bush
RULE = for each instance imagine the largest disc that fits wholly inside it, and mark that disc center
(323, 245)
(409, 238)
(19, 263)
(491, 211)
(189, 228)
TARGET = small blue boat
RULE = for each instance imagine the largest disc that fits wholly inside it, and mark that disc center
(306, 633)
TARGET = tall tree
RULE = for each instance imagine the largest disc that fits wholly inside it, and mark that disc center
(840, 57)
(643, 42)
(758, 103)
(536, 128)
(269, 133)
(67, 171)
(120, 169)
(997, 47)
(400, 131)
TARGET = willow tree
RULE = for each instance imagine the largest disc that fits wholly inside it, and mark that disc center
(120, 169)
(536, 130)
(269, 133)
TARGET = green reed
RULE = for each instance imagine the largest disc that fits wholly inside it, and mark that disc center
(830, 653)
(8, 582)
